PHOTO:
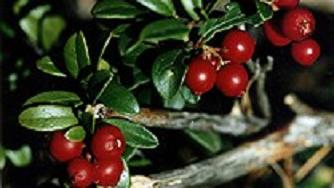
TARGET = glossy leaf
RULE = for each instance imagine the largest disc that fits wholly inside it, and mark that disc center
(189, 96)
(75, 134)
(190, 6)
(52, 26)
(21, 157)
(55, 97)
(46, 65)
(164, 7)
(209, 140)
(263, 13)
(135, 135)
(233, 17)
(47, 118)
(129, 152)
(119, 99)
(76, 54)
(115, 9)
(2, 157)
(168, 73)
(177, 102)
(166, 29)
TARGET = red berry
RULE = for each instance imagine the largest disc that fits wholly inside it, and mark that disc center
(201, 75)
(286, 4)
(298, 24)
(238, 46)
(62, 149)
(274, 35)
(108, 172)
(108, 142)
(81, 172)
(305, 52)
(232, 80)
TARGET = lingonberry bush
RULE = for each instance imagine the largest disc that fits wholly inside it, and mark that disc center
(147, 54)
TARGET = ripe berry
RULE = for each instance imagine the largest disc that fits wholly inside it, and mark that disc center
(81, 172)
(201, 76)
(62, 149)
(285, 4)
(108, 142)
(232, 80)
(298, 24)
(238, 46)
(108, 172)
(274, 35)
(305, 52)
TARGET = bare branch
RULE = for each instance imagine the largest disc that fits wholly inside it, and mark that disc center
(227, 124)
(303, 132)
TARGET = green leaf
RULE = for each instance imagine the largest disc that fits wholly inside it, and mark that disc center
(209, 140)
(76, 54)
(30, 23)
(139, 162)
(168, 73)
(233, 17)
(18, 5)
(52, 26)
(190, 6)
(139, 78)
(115, 9)
(21, 157)
(189, 96)
(135, 135)
(166, 29)
(55, 97)
(263, 13)
(98, 83)
(75, 134)
(176, 102)
(119, 99)
(129, 152)
(47, 118)
(163, 7)
(2, 157)
(124, 181)
(103, 65)
(46, 65)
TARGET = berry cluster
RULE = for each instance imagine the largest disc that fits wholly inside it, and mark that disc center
(225, 70)
(295, 26)
(108, 145)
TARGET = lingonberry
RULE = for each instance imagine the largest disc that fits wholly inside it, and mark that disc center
(274, 35)
(108, 172)
(108, 142)
(298, 24)
(305, 52)
(201, 75)
(285, 4)
(62, 149)
(81, 172)
(232, 80)
(238, 46)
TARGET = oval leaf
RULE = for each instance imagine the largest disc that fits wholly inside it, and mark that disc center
(21, 157)
(209, 140)
(164, 7)
(46, 65)
(233, 17)
(52, 26)
(129, 153)
(119, 99)
(75, 134)
(190, 6)
(47, 118)
(167, 73)
(76, 54)
(135, 135)
(165, 30)
(115, 9)
(55, 97)
(2, 157)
